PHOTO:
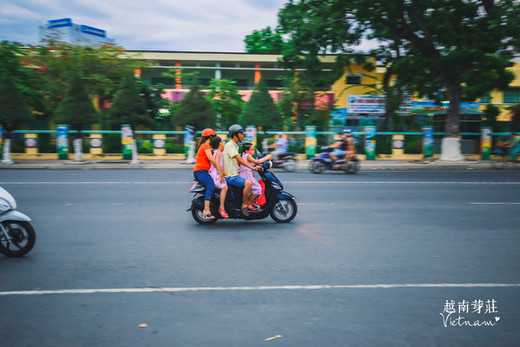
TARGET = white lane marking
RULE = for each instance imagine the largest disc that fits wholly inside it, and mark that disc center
(78, 182)
(494, 203)
(402, 182)
(287, 182)
(258, 288)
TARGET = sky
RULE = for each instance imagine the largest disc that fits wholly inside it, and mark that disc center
(169, 25)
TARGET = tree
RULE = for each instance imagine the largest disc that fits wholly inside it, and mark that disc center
(444, 47)
(13, 111)
(12, 60)
(195, 110)
(298, 103)
(53, 64)
(264, 41)
(129, 108)
(226, 101)
(491, 113)
(158, 108)
(261, 110)
(76, 110)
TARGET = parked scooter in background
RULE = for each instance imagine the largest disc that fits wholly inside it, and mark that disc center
(17, 236)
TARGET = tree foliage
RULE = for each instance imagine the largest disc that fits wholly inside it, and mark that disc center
(76, 108)
(223, 95)
(53, 64)
(260, 110)
(299, 103)
(195, 110)
(14, 111)
(265, 40)
(12, 60)
(444, 47)
(158, 108)
(128, 106)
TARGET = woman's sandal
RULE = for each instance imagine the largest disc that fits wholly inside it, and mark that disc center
(251, 207)
(207, 216)
(223, 213)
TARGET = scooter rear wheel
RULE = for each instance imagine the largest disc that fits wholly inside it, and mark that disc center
(352, 167)
(22, 237)
(316, 167)
(284, 211)
(197, 215)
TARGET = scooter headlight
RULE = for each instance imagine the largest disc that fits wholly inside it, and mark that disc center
(5, 205)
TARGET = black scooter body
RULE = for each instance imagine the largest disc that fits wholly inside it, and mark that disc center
(274, 193)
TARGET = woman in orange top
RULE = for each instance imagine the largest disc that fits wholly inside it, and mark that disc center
(203, 161)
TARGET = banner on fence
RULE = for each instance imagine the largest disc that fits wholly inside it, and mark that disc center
(62, 142)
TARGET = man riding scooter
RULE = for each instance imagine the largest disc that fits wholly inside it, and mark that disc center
(281, 146)
(344, 148)
(231, 160)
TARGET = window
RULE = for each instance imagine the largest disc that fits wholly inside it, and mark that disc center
(241, 82)
(512, 96)
(353, 78)
(162, 80)
(273, 83)
(486, 98)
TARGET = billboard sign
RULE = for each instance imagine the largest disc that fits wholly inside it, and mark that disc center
(366, 104)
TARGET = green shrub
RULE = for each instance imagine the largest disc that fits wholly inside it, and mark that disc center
(112, 143)
(383, 144)
(145, 146)
(413, 144)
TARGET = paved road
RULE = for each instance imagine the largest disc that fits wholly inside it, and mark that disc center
(370, 260)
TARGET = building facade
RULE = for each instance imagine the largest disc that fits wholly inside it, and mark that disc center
(353, 95)
(504, 99)
(65, 30)
(247, 69)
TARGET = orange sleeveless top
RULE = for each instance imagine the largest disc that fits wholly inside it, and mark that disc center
(201, 160)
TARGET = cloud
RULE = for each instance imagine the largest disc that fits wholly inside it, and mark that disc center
(198, 25)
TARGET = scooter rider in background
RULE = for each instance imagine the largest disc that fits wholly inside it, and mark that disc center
(341, 146)
(350, 155)
(231, 160)
(280, 146)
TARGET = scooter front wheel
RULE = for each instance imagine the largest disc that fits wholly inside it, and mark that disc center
(197, 215)
(20, 238)
(290, 165)
(284, 211)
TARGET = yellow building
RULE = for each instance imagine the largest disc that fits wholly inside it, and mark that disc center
(246, 70)
(504, 99)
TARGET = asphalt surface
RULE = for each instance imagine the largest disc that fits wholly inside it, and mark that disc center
(370, 260)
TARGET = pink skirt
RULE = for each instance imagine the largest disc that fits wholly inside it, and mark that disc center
(248, 175)
(213, 172)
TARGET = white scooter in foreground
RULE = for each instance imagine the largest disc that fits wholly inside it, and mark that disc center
(17, 236)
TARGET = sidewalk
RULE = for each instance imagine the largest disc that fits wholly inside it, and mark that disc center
(180, 164)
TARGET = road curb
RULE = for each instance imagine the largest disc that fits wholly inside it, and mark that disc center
(380, 165)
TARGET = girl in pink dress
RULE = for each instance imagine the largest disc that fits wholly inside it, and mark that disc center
(248, 150)
(217, 173)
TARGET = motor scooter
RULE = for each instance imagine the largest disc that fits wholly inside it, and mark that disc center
(323, 162)
(286, 161)
(17, 236)
(280, 205)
